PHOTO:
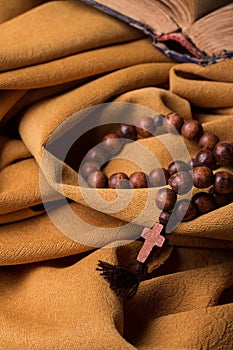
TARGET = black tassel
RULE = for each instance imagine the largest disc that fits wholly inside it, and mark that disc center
(123, 280)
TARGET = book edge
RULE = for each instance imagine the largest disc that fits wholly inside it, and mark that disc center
(161, 46)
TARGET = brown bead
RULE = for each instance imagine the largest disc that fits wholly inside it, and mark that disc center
(165, 199)
(221, 199)
(96, 154)
(181, 182)
(127, 131)
(158, 177)
(87, 168)
(145, 127)
(138, 179)
(119, 180)
(173, 122)
(206, 158)
(185, 210)
(97, 179)
(158, 120)
(164, 218)
(204, 202)
(192, 163)
(192, 129)
(202, 177)
(208, 141)
(177, 166)
(223, 182)
(223, 153)
(112, 144)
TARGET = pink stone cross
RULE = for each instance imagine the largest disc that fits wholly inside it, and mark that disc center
(152, 238)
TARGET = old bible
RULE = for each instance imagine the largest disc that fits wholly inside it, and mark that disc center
(199, 31)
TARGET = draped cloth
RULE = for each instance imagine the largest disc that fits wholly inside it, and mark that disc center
(56, 59)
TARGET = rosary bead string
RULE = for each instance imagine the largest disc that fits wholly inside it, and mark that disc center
(180, 176)
(178, 179)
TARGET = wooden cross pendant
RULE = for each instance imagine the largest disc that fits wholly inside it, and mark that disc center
(152, 238)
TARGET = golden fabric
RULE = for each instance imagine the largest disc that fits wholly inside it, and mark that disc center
(56, 59)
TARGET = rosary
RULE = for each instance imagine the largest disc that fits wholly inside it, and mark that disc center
(179, 176)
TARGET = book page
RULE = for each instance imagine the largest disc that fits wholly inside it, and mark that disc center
(150, 12)
(214, 32)
(200, 8)
(179, 12)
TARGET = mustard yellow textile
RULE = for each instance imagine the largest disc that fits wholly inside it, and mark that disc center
(57, 58)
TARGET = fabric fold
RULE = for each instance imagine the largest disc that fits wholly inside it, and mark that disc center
(59, 60)
(38, 36)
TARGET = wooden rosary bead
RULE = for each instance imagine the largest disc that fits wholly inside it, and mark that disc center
(202, 177)
(223, 182)
(204, 202)
(177, 166)
(208, 141)
(97, 179)
(192, 129)
(112, 144)
(185, 210)
(192, 163)
(165, 199)
(145, 127)
(181, 182)
(158, 177)
(87, 168)
(119, 180)
(138, 179)
(173, 122)
(164, 218)
(158, 120)
(127, 131)
(96, 154)
(223, 153)
(221, 199)
(206, 158)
